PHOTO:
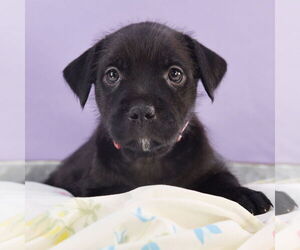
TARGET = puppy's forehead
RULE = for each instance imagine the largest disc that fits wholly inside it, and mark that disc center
(146, 43)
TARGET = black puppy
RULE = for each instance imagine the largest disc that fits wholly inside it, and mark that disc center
(145, 77)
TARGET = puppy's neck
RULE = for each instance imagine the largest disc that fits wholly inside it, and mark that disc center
(155, 166)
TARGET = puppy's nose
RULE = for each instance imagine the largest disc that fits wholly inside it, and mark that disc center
(141, 113)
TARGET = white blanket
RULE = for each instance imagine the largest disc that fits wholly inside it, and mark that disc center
(148, 218)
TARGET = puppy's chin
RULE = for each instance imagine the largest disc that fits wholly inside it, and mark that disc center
(131, 154)
(143, 147)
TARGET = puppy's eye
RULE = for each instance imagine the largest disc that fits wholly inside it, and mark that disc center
(176, 75)
(112, 76)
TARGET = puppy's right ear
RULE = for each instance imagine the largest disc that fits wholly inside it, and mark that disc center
(80, 74)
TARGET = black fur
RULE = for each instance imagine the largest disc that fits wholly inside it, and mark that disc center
(143, 53)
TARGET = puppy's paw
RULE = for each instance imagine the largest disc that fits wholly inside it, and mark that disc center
(254, 201)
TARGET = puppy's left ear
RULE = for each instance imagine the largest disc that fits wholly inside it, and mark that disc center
(80, 74)
(209, 66)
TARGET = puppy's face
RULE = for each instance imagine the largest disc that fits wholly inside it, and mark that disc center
(145, 78)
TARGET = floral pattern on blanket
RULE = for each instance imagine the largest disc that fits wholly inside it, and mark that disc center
(148, 218)
(63, 221)
(200, 232)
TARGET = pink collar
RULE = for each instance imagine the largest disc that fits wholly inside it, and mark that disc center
(180, 135)
(118, 146)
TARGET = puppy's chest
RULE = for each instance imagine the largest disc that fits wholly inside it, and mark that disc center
(155, 171)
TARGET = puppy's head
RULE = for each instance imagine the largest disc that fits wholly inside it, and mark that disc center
(145, 78)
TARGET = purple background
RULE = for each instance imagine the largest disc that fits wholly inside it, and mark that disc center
(287, 83)
(12, 78)
(241, 121)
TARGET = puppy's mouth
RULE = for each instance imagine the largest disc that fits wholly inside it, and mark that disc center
(147, 145)
(141, 144)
